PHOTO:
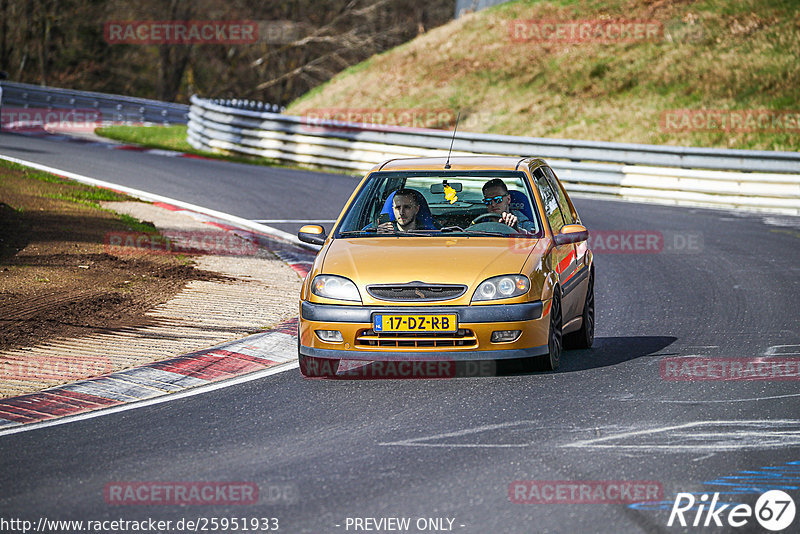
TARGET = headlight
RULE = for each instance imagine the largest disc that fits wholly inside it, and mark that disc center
(502, 287)
(335, 287)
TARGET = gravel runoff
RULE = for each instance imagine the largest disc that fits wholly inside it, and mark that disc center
(257, 292)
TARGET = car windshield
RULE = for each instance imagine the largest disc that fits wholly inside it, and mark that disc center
(441, 202)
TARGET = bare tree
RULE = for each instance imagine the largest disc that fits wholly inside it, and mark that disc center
(61, 42)
(174, 58)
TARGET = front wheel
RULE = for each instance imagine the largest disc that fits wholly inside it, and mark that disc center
(551, 360)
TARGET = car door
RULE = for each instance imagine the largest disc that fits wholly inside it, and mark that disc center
(573, 299)
(563, 257)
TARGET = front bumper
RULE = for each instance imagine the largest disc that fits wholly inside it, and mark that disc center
(354, 322)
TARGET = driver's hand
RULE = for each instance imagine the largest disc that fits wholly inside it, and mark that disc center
(386, 228)
(510, 219)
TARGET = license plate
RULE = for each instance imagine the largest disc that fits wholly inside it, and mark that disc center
(415, 323)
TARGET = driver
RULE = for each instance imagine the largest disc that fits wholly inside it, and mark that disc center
(498, 200)
(406, 207)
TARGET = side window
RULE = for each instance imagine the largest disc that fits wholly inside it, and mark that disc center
(549, 200)
(562, 199)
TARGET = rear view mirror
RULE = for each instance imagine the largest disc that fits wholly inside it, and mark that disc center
(439, 188)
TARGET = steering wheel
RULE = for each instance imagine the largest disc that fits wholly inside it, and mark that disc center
(482, 217)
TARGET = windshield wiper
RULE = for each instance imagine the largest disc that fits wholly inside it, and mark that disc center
(483, 232)
(358, 232)
(426, 233)
(451, 229)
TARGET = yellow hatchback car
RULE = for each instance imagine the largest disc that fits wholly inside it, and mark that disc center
(472, 258)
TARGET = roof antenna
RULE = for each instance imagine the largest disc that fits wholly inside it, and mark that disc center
(447, 164)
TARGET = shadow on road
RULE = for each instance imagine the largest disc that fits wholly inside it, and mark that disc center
(606, 351)
(612, 351)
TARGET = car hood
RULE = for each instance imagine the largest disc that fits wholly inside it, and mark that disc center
(435, 260)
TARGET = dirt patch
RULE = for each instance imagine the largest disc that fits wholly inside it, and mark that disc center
(57, 278)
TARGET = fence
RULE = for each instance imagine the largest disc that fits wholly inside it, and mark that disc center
(112, 108)
(749, 179)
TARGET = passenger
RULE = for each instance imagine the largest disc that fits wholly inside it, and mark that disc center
(498, 201)
(406, 207)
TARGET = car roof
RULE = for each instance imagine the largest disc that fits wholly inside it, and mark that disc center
(457, 163)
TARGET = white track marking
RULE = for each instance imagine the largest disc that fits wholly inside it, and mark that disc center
(274, 221)
(416, 442)
(710, 436)
(774, 350)
(753, 399)
(150, 197)
(198, 390)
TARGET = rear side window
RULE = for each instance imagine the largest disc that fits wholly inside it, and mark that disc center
(550, 201)
(562, 198)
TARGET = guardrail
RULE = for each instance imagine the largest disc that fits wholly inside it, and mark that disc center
(112, 108)
(756, 180)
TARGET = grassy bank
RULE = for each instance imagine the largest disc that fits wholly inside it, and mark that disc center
(164, 137)
(739, 55)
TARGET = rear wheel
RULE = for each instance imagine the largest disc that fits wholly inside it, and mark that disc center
(583, 338)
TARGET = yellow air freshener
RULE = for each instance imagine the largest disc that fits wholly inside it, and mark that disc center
(450, 194)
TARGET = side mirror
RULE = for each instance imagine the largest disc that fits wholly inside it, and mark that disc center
(312, 233)
(571, 233)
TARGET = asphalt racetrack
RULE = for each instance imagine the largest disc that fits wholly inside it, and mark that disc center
(455, 453)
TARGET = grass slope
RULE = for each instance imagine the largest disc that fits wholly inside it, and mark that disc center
(733, 55)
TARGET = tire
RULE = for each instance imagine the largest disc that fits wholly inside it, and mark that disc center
(551, 360)
(584, 338)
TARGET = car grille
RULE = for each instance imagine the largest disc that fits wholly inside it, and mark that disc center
(416, 292)
(462, 338)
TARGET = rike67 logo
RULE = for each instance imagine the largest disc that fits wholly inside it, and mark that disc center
(774, 510)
